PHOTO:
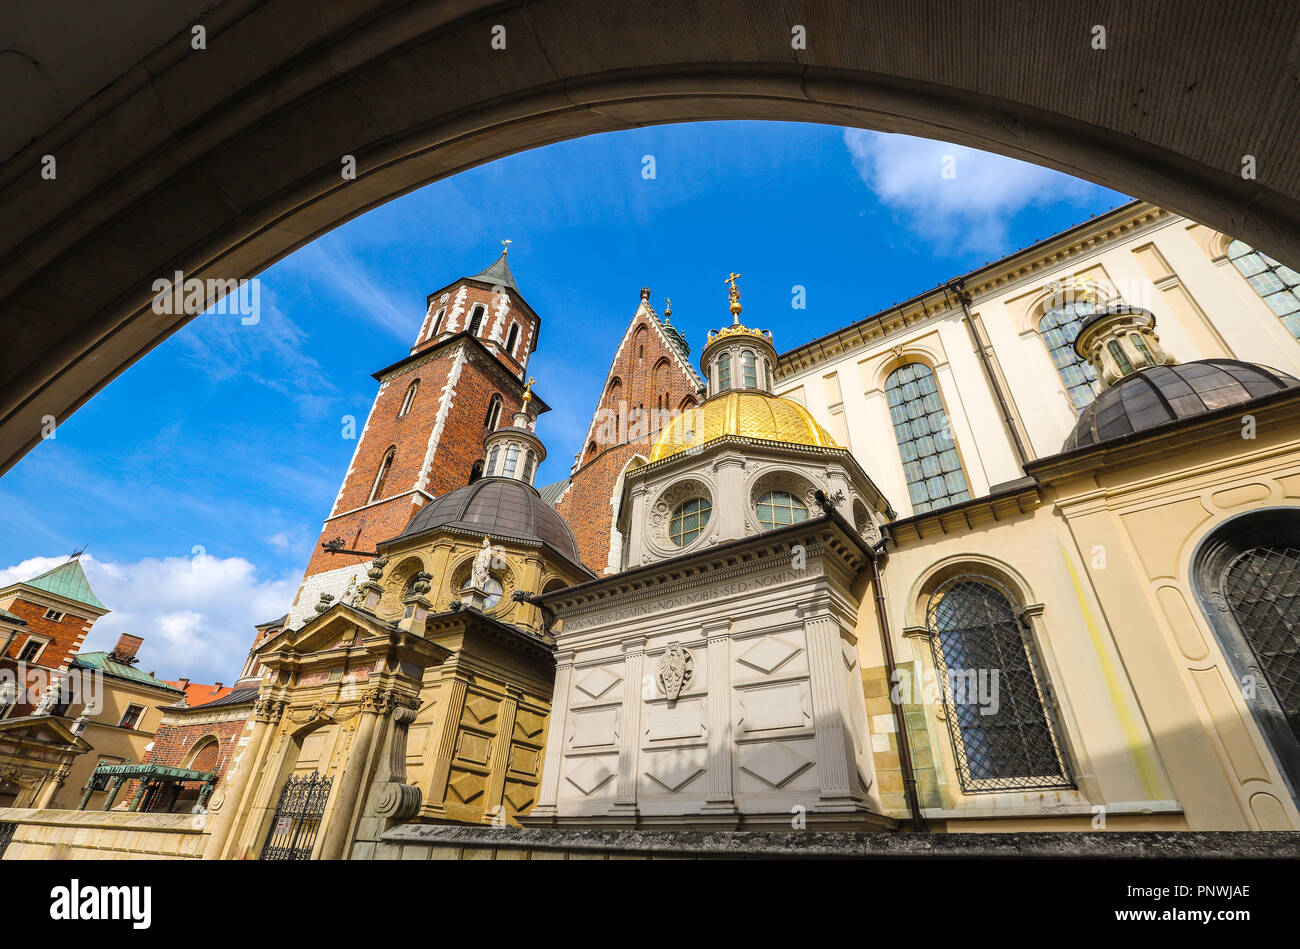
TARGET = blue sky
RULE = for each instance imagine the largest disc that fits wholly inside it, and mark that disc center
(199, 478)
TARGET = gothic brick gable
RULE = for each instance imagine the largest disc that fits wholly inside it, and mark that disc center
(649, 381)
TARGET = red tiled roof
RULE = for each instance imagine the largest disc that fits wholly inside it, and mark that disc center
(198, 694)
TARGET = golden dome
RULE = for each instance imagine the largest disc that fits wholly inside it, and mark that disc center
(747, 413)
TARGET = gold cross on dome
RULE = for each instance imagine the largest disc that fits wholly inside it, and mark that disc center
(734, 296)
(528, 389)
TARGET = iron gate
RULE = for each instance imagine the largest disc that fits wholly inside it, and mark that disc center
(297, 818)
(6, 835)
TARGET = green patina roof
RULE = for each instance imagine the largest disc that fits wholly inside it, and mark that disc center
(105, 664)
(6, 615)
(67, 580)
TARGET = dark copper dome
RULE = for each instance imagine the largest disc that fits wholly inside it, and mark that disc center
(1165, 394)
(502, 508)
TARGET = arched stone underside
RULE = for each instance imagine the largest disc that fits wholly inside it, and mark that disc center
(221, 161)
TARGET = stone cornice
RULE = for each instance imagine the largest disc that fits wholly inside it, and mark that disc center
(990, 279)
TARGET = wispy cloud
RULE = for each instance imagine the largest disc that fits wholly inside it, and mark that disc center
(960, 198)
(272, 351)
(330, 262)
(195, 614)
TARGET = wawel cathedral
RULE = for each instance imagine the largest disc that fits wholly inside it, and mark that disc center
(1019, 553)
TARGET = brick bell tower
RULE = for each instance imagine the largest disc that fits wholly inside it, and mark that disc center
(463, 377)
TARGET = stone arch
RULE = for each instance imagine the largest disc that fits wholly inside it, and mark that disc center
(915, 351)
(196, 758)
(369, 72)
(617, 529)
(941, 570)
(798, 484)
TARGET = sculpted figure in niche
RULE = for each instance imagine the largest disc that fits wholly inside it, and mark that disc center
(478, 577)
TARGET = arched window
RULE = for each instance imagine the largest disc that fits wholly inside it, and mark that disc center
(512, 457)
(592, 450)
(724, 372)
(999, 719)
(925, 442)
(1247, 577)
(410, 397)
(1059, 327)
(476, 471)
(1121, 358)
(493, 413)
(1277, 284)
(492, 460)
(437, 323)
(780, 509)
(512, 338)
(382, 475)
(529, 461)
(748, 370)
(476, 319)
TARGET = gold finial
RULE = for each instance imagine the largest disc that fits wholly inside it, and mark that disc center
(528, 391)
(505, 246)
(734, 296)
(668, 310)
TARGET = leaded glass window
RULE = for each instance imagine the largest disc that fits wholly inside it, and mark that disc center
(724, 371)
(688, 520)
(1140, 345)
(779, 509)
(748, 370)
(512, 457)
(1003, 734)
(529, 461)
(1277, 284)
(925, 442)
(1059, 328)
(1262, 589)
(492, 460)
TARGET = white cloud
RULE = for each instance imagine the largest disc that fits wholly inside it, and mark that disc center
(195, 614)
(970, 208)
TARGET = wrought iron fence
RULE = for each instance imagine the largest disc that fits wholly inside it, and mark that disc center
(297, 817)
(999, 711)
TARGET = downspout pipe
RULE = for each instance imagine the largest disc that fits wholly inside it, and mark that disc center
(1008, 419)
(900, 720)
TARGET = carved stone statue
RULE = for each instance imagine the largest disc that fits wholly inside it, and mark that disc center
(478, 577)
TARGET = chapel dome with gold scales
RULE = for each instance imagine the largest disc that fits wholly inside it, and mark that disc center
(739, 363)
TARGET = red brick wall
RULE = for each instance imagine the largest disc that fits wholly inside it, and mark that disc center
(459, 446)
(643, 371)
(171, 747)
(66, 636)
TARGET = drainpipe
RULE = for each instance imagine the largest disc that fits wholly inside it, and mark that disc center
(900, 721)
(1007, 418)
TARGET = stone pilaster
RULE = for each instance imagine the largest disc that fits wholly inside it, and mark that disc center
(834, 745)
(630, 722)
(718, 638)
(451, 706)
(501, 751)
(553, 760)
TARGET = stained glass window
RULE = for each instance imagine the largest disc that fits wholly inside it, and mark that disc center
(925, 442)
(1059, 327)
(1277, 284)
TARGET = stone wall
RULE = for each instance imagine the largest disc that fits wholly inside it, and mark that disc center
(447, 842)
(102, 835)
